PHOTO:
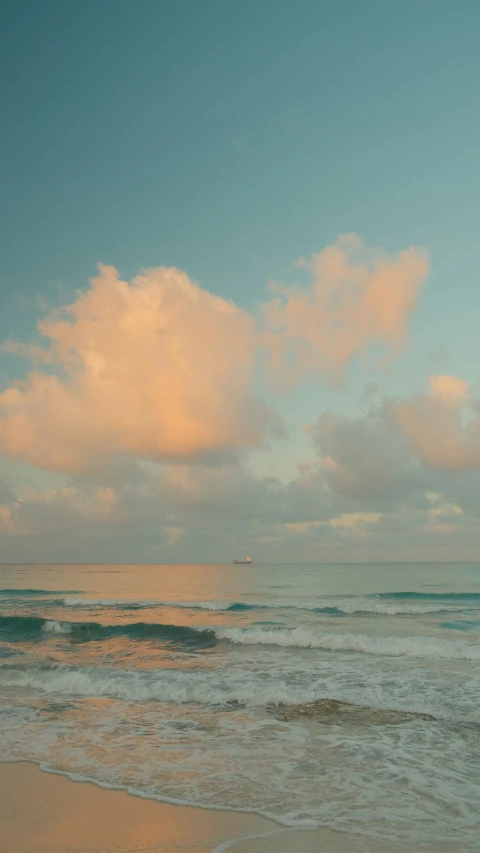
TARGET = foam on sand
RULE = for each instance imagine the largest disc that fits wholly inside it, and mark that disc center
(66, 814)
(63, 815)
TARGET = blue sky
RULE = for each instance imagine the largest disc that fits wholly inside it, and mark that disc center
(228, 140)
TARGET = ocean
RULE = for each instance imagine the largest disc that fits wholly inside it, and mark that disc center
(345, 696)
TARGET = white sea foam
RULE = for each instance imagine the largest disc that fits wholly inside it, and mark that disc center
(360, 683)
(303, 638)
(286, 770)
(54, 627)
(177, 687)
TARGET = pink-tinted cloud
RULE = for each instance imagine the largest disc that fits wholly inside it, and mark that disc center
(161, 369)
(155, 368)
(357, 297)
(439, 426)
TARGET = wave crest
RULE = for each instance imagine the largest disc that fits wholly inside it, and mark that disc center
(31, 628)
(229, 688)
(363, 605)
(416, 647)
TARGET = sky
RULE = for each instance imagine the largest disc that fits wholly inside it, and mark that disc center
(239, 289)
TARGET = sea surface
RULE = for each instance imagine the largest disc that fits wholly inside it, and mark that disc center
(338, 695)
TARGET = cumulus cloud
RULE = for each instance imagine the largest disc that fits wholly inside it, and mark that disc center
(160, 369)
(32, 511)
(401, 447)
(419, 474)
(156, 368)
(440, 426)
(357, 297)
(365, 458)
(199, 512)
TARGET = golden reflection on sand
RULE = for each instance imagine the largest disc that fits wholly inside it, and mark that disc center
(47, 813)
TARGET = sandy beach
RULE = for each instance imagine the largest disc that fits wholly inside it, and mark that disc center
(48, 813)
(44, 812)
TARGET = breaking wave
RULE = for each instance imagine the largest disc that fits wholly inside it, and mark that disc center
(302, 638)
(32, 628)
(229, 688)
(165, 686)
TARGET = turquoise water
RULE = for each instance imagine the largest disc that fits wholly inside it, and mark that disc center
(345, 696)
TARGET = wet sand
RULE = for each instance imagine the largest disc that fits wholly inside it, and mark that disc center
(48, 813)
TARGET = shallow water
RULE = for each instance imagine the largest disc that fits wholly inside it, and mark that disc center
(345, 696)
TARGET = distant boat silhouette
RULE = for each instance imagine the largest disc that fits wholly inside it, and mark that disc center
(244, 562)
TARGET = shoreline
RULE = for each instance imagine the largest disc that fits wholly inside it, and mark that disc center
(49, 811)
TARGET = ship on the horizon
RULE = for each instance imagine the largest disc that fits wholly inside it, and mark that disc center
(245, 561)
